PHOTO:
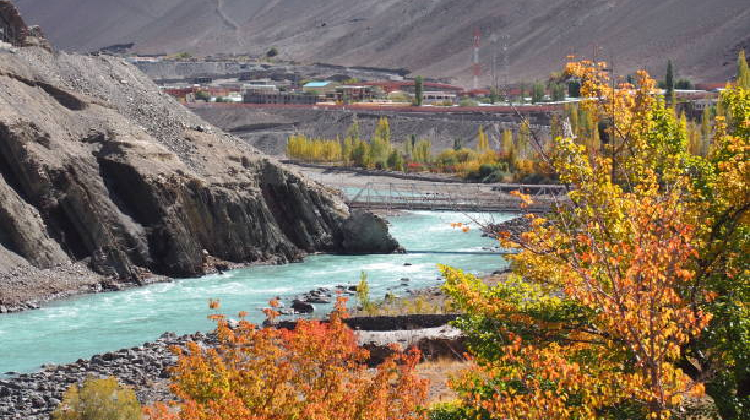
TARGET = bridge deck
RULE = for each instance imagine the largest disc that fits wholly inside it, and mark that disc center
(464, 197)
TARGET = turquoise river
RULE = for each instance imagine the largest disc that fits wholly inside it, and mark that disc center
(77, 328)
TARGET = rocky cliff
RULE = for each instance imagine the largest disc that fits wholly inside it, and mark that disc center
(96, 166)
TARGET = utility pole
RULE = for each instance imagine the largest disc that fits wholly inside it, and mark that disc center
(506, 67)
(476, 67)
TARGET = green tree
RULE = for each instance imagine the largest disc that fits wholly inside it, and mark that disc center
(458, 144)
(360, 154)
(396, 160)
(180, 56)
(706, 129)
(494, 95)
(423, 151)
(380, 145)
(574, 89)
(669, 83)
(98, 399)
(409, 146)
(524, 136)
(537, 93)
(419, 91)
(683, 84)
(353, 131)
(363, 293)
(202, 95)
(558, 92)
(556, 127)
(272, 52)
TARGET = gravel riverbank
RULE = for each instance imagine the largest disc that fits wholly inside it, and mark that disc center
(34, 396)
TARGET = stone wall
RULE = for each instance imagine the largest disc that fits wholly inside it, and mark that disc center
(390, 323)
(269, 128)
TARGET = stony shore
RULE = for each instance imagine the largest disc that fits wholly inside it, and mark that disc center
(34, 396)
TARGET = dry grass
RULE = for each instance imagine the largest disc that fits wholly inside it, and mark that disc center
(426, 301)
(439, 372)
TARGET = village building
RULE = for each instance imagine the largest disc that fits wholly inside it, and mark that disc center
(280, 98)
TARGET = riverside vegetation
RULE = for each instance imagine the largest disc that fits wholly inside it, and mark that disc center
(515, 161)
(629, 301)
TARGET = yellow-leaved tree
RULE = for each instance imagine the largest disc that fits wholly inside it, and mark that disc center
(98, 399)
(629, 300)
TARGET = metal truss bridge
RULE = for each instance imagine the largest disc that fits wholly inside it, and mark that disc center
(493, 198)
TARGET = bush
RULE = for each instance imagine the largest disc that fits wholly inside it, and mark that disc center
(498, 176)
(447, 158)
(99, 399)
(486, 169)
(396, 161)
(316, 371)
(449, 411)
(202, 95)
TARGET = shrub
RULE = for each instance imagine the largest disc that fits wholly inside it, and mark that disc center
(316, 371)
(202, 95)
(396, 161)
(449, 411)
(98, 399)
(486, 169)
(499, 176)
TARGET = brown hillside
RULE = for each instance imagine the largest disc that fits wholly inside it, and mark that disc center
(431, 37)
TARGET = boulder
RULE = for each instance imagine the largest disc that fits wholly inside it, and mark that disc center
(367, 233)
(302, 307)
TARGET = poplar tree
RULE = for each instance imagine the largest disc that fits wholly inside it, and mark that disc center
(422, 151)
(380, 146)
(743, 72)
(669, 83)
(537, 93)
(523, 138)
(418, 91)
(706, 130)
(556, 128)
(484, 142)
(353, 131)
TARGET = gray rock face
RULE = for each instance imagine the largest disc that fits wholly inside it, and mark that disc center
(97, 165)
(367, 233)
(14, 31)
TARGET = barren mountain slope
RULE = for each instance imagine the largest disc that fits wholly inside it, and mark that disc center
(98, 167)
(432, 37)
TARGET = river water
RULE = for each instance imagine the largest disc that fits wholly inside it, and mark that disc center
(66, 330)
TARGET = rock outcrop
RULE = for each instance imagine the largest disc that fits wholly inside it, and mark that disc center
(365, 232)
(97, 166)
(14, 31)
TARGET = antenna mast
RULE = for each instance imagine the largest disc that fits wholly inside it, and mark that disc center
(476, 67)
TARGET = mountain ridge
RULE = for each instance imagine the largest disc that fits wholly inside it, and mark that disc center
(430, 37)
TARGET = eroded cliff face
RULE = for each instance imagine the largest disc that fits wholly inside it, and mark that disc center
(97, 166)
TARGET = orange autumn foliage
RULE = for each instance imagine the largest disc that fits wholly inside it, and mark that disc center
(607, 301)
(316, 371)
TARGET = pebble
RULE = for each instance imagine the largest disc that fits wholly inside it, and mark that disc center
(33, 396)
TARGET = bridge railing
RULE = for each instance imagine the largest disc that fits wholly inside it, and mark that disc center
(460, 197)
